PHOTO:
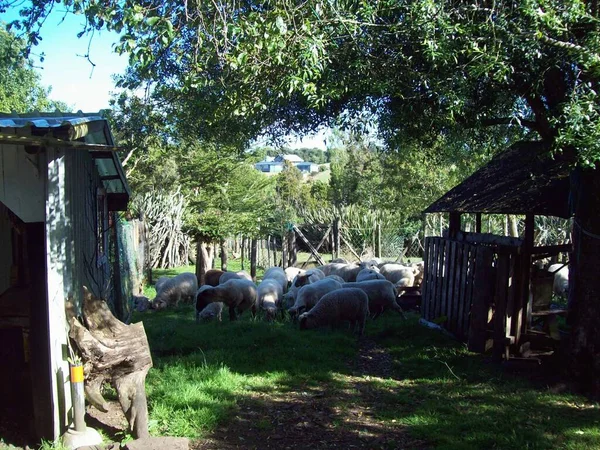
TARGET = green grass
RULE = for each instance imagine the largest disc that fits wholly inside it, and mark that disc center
(439, 392)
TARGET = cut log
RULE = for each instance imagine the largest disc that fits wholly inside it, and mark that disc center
(116, 353)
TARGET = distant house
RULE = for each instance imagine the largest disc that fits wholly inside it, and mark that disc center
(60, 179)
(277, 164)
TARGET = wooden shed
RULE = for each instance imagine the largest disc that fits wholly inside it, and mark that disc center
(59, 179)
(481, 286)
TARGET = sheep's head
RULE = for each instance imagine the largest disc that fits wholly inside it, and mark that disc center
(304, 321)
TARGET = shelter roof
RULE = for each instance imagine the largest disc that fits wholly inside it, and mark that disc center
(84, 131)
(522, 179)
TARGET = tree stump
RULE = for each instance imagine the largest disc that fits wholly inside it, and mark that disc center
(113, 352)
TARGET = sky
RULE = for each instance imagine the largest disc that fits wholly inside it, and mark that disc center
(79, 84)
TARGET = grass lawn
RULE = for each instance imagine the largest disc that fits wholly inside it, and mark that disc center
(435, 392)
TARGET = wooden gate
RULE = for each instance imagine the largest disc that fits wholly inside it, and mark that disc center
(477, 290)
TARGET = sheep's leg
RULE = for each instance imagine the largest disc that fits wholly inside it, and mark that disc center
(232, 314)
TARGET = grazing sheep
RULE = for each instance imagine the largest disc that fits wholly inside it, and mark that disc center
(560, 285)
(419, 268)
(347, 271)
(183, 287)
(382, 295)
(310, 276)
(340, 260)
(237, 294)
(336, 278)
(399, 274)
(293, 272)
(141, 303)
(277, 274)
(211, 311)
(212, 277)
(342, 305)
(241, 275)
(269, 293)
(308, 295)
(159, 283)
(369, 274)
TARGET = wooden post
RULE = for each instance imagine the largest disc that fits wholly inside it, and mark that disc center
(242, 251)
(268, 251)
(527, 249)
(336, 236)
(500, 302)
(292, 248)
(478, 222)
(454, 225)
(378, 240)
(483, 289)
(253, 254)
(274, 251)
(223, 255)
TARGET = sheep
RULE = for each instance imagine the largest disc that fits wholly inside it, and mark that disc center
(347, 304)
(419, 268)
(293, 272)
(399, 274)
(183, 287)
(340, 260)
(382, 295)
(159, 283)
(269, 294)
(241, 275)
(211, 311)
(277, 274)
(336, 278)
(141, 303)
(310, 276)
(369, 274)
(237, 294)
(560, 286)
(212, 277)
(347, 271)
(308, 295)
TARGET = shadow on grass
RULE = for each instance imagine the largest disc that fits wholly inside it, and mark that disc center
(274, 386)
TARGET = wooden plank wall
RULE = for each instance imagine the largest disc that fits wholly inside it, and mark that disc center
(448, 283)
(475, 291)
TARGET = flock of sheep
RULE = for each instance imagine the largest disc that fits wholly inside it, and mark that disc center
(325, 296)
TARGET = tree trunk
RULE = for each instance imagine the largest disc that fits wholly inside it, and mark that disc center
(584, 284)
(253, 257)
(113, 352)
(120, 305)
(204, 260)
(514, 226)
(292, 249)
(223, 255)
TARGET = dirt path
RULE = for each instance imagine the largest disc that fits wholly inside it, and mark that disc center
(326, 417)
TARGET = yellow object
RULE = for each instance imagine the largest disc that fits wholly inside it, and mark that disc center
(76, 374)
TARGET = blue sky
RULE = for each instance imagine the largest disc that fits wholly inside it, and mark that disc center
(74, 80)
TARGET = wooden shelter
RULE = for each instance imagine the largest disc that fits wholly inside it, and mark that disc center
(59, 178)
(481, 286)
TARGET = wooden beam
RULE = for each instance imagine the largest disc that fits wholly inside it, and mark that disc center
(317, 247)
(478, 222)
(454, 225)
(309, 245)
(349, 247)
(42, 141)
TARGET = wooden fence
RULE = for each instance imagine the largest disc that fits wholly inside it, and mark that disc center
(478, 291)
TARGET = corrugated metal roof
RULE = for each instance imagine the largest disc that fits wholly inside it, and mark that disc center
(522, 179)
(47, 120)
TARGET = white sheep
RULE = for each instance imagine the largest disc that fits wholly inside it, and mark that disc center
(310, 276)
(238, 295)
(419, 269)
(293, 272)
(399, 274)
(308, 295)
(342, 305)
(241, 275)
(211, 311)
(159, 283)
(181, 288)
(382, 295)
(336, 278)
(347, 271)
(560, 285)
(277, 274)
(369, 274)
(270, 294)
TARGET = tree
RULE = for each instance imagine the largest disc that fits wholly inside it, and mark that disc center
(423, 68)
(20, 87)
